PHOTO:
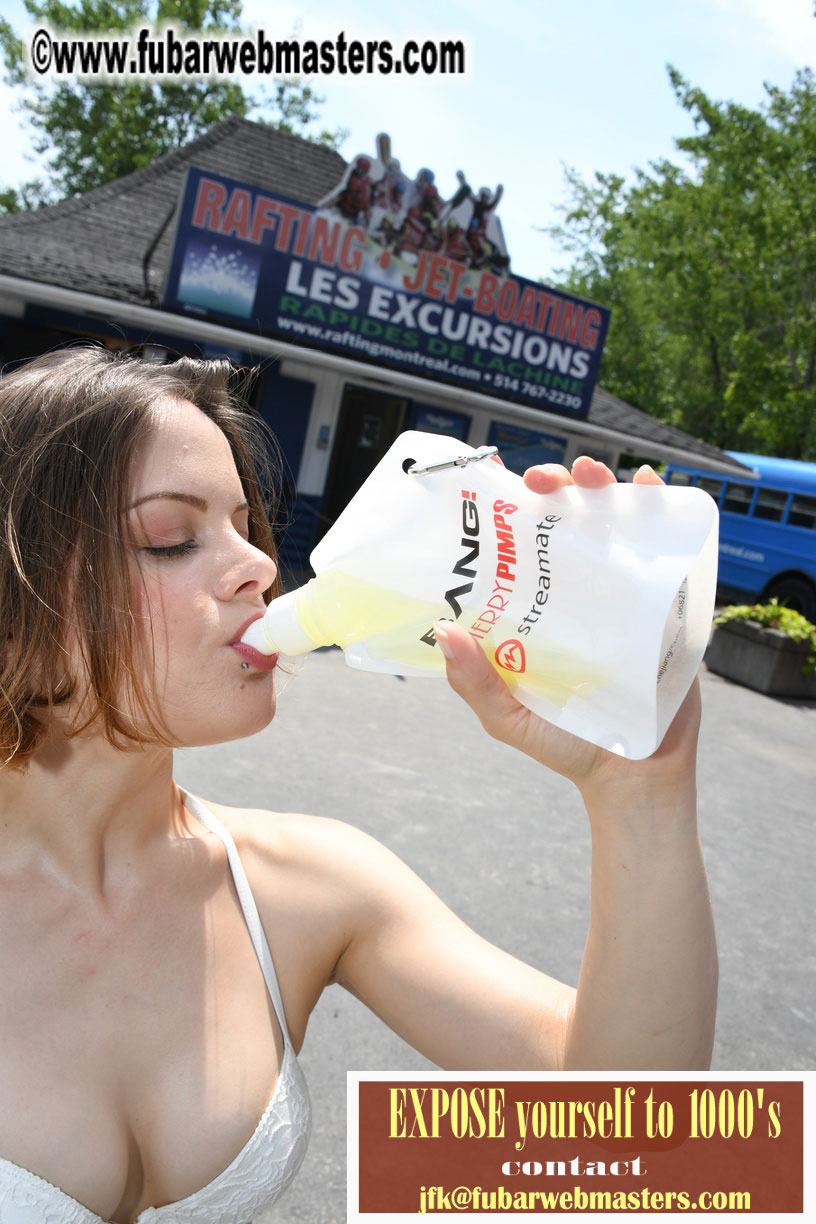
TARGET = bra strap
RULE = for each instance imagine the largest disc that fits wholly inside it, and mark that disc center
(250, 909)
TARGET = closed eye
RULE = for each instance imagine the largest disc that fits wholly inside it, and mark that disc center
(172, 550)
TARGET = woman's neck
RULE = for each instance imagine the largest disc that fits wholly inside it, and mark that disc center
(85, 810)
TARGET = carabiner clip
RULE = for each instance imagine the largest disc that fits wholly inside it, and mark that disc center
(484, 452)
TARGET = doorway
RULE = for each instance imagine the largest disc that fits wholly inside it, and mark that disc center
(368, 423)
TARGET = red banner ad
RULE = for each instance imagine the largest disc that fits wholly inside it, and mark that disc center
(542, 1146)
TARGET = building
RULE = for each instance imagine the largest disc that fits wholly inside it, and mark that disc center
(99, 265)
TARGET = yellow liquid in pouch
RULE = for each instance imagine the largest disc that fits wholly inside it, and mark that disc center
(387, 628)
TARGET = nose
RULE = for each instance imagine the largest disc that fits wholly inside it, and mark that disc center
(248, 572)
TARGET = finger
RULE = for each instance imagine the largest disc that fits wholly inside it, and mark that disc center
(591, 474)
(547, 478)
(647, 475)
(472, 677)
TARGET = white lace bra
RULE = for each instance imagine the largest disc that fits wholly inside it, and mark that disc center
(262, 1169)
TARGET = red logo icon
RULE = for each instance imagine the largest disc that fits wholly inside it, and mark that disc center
(510, 655)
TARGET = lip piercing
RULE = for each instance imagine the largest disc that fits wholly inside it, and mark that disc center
(245, 666)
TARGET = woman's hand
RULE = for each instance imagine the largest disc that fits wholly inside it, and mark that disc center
(506, 719)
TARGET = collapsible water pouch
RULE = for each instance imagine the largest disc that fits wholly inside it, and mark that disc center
(595, 605)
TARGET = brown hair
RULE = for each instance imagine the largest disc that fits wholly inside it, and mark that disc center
(70, 422)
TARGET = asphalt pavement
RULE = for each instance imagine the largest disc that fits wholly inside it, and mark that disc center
(506, 845)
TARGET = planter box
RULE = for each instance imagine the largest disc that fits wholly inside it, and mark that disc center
(760, 658)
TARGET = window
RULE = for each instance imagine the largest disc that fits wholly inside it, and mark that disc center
(710, 485)
(738, 498)
(680, 478)
(770, 504)
(802, 511)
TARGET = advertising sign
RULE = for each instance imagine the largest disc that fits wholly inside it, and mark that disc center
(523, 1146)
(385, 270)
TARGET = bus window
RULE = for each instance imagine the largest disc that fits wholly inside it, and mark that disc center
(802, 511)
(710, 485)
(680, 478)
(770, 504)
(738, 498)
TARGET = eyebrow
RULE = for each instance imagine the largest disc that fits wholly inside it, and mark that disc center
(189, 499)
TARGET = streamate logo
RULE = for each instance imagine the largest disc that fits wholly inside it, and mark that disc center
(510, 655)
(464, 566)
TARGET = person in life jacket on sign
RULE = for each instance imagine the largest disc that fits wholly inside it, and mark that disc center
(354, 200)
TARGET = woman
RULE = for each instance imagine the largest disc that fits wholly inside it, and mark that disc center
(145, 1024)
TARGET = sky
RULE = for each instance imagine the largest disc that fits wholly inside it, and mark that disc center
(549, 85)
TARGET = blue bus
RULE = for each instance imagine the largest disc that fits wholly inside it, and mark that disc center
(767, 528)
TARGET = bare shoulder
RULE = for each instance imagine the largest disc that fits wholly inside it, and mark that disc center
(296, 841)
(328, 868)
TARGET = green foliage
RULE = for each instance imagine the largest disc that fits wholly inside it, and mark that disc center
(711, 273)
(93, 132)
(774, 615)
(28, 195)
(294, 114)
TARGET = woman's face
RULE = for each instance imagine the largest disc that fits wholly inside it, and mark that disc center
(198, 581)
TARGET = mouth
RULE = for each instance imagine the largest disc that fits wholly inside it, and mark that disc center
(260, 662)
(256, 660)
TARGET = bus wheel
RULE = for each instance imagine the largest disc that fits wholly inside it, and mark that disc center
(796, 593)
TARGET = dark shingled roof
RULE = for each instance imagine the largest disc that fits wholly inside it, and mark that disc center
(97, 243)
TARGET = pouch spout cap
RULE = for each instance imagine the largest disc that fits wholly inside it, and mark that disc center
(280, 629)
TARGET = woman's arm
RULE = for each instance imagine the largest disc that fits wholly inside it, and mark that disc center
(647, 988)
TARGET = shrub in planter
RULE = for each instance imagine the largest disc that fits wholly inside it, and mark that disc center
(767, 647)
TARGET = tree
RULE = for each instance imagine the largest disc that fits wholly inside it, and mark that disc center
(93, 132)
(711, 273)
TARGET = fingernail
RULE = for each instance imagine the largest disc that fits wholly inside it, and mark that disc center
(442, 639)
(646, 467)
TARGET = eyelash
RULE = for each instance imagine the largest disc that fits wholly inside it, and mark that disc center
(173, 550)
